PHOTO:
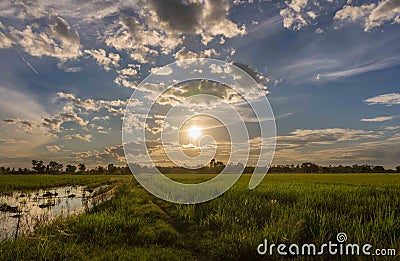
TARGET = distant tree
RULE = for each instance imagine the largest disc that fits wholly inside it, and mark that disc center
(398, 169)
(309, 167)
(38, 166)
(70, 168)
(212, 163)
(54, 167)
(325, 169)
(379, 169)
(81, 167)
(112, 169)
(366, 169)
(100, 170)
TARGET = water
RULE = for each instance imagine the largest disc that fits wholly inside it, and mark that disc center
(42, 206)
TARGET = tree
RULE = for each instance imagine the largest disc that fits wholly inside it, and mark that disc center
(398, 169)
(70, 169)
(38, 166)
(309, 167)
(100, 170)
(111, 169)
(54, 167)
(212, 163)
(81, 167)
(379, 169)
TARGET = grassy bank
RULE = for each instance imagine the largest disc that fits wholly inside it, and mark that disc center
(9, 183)
(283, 209)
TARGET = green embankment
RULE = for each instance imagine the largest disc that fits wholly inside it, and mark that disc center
(9, 183)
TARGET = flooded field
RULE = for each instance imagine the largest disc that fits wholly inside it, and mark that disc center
(20, 212)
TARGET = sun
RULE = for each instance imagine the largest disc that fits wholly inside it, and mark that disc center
(194, 132)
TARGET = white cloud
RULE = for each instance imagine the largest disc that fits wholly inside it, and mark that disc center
(103, 59)
(11, 141)
(86, 137)
(206, 18)
(372, 152)
(303, 137)
(161, 70)
(362, 68)
(184, 54)
(73, 117)
(391, 128)
(385, 99)
(128, 72)
(112, 106)
(52, 124)
(101, 118)
(56, 40)
(5, 41)
(386, 11)
(53, 148)
(378, 119)
(111, 154)
(25, 125)
(354, 13)
(372, 15)
(125, 77)
(294, 16)
(83, 10)
(141, 40)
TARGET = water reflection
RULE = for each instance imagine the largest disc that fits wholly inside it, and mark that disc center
(42, 206)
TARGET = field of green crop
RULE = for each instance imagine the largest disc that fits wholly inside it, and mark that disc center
(10, 183)
(291, 208)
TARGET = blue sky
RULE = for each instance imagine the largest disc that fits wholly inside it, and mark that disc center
(332, 70)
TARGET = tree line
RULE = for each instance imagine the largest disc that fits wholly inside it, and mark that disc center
(308, 167)
(53, 167)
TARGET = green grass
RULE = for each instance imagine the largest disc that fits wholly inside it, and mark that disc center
(283, 209)
(9, 183)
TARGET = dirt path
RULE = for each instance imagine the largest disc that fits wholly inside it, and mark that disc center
(188, 240)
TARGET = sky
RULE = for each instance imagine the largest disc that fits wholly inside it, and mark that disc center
(330, 70)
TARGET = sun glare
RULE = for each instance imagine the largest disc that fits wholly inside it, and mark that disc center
(194, 132)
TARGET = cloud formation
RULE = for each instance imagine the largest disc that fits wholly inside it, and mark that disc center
(294, 15)
(57, 39)
(53, 148)
(103, 59)
(371, 15)
(384, 99)
(303, 137)
(86, 137)
(207, 18)
(379, 119)
(84, 10)
(112, 106)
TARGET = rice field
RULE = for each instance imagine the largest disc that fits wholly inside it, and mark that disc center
(10, 183)
(284, 208)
